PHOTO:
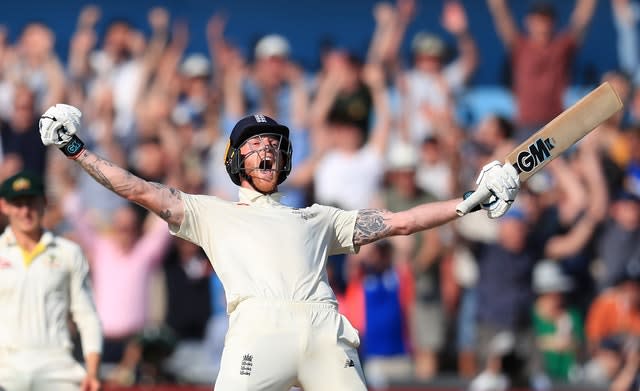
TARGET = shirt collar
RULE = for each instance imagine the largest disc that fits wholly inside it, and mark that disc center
(10, 238)
(249, 196)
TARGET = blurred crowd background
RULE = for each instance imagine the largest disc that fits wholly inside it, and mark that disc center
(390, 105)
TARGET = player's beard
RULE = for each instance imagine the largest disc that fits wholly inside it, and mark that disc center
(262, 169)
(264, 178)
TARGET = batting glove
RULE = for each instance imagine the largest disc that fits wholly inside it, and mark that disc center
(503, 183)
(58, 126)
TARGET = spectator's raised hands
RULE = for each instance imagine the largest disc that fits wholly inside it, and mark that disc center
(622, 10)
(158, 18)
(4, 45)
(83, 42)
(89, 16)
(216, 25)
(406, 10)
(384, 14)
(454, 18)
(373, 76)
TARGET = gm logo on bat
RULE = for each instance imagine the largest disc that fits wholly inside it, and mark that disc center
(537, 152)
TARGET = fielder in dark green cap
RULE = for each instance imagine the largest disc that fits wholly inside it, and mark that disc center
(44, 279)
(22, 184)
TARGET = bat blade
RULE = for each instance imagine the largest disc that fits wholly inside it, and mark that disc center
(555, 138)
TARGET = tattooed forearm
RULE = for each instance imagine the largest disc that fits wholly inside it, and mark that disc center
(162, 200)
(124, 180)
(370, 226)
(93, 169)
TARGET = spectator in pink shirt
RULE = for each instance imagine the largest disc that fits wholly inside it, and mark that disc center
(122, 258)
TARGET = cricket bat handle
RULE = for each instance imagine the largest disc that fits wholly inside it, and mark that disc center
(472, 201)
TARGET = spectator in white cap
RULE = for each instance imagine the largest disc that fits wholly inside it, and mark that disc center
(275, 86)
(431, 85)
(272, 45)
(558, 328)
(273, 79)
(196, 75)
(195, 114)
(424, 252)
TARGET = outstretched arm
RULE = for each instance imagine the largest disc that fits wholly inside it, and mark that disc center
(376, 224)
(58, 126)
(501, 182)
(162, 200)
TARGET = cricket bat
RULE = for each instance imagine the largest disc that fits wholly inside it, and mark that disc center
(554, 138)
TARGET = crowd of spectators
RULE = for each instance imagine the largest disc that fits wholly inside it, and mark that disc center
(550, 293)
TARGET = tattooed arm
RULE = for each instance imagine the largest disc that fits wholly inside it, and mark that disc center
(164, 201)
(375, 224)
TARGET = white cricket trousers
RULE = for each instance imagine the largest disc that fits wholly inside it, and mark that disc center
(271, 346)
(39, 370)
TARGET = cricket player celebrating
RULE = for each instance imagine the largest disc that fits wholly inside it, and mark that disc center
(284, 326)
(43, 279)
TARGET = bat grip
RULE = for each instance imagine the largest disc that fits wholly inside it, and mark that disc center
(472, 201)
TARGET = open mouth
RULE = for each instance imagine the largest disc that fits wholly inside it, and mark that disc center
(266, 164)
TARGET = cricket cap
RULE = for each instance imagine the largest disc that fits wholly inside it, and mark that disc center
(22, 184)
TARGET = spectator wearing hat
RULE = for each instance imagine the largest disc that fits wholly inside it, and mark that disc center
(431, 86)
(44, 280)
(274, 85)
(195, 96)
(423, 254)
(559, 330)
(541, 59)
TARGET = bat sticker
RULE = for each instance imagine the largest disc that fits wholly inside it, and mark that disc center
(537, 152)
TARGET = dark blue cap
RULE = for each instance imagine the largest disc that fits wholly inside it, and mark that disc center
(625, 195)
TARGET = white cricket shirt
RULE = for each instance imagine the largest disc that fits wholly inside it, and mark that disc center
(261, 248)
(36, 300)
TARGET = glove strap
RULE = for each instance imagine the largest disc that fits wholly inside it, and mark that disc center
(73, 148)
